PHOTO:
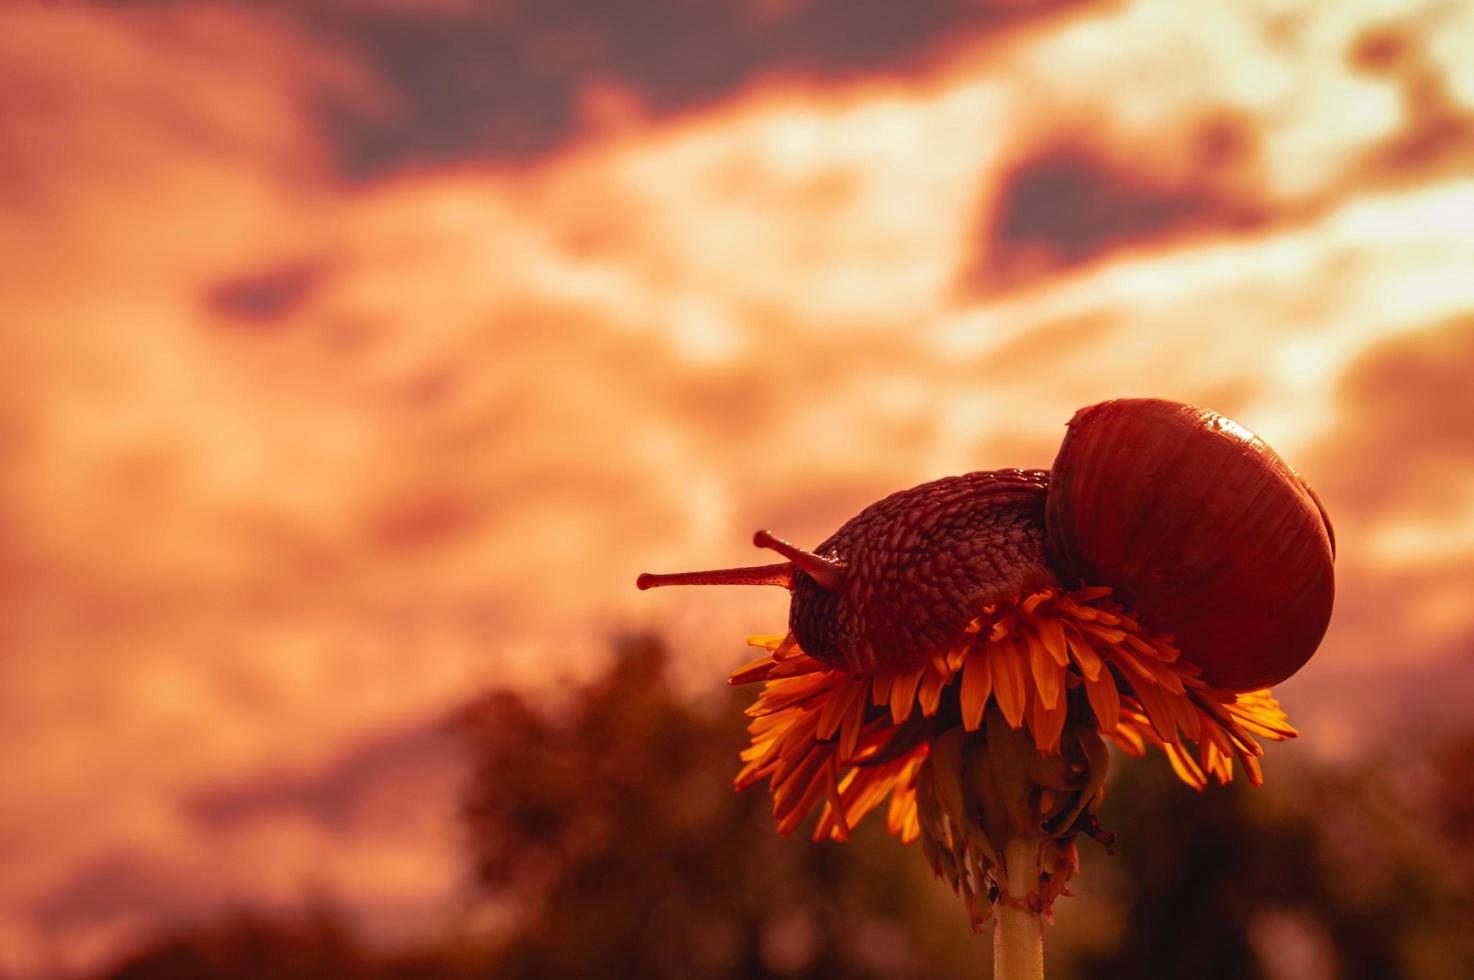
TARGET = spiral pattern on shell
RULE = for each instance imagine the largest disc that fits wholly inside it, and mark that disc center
(1201, 528)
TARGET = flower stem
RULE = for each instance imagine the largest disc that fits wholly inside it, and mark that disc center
(1018, 932)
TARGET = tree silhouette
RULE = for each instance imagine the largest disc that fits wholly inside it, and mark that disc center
(618, 827)
(607, 824)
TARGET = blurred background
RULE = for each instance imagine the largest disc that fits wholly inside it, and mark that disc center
(355, 356)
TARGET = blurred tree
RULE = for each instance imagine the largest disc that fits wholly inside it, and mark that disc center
(310, 946)
(1359, 872)
(618, 827)
(608, 826)
(1197, 869)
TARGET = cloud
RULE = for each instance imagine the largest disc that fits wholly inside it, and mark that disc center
(514, 80)
(294, 463)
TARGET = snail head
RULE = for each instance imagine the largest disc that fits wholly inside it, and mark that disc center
(906, 575)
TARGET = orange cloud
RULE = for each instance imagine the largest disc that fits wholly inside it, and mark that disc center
(294, 461)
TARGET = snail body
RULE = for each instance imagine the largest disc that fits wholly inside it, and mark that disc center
(919, 564)
(1191, 520)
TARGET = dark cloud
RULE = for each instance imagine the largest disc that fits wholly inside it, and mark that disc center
(338, 794)
(1437, 132)
(1406, 427)
(266, 297)
(234, 551)
(120, 885)
(1071, 199)
(507, 80)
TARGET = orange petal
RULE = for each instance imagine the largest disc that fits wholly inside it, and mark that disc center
(1188, 718)
(797, 666)
(977, 685)
(1105, 701)
(835, 707)
(1260, 713)
(1047, 723)
(1251, 766)
(1158, 707)
(1010, 685)
(799, 793)
(835, 806)
(1033, 600)
(757, 670)
(1130, 740)
(1052, 634)
(880, 688)
(851, 727)
(781, 694)
(1187, 770)
(903, 694)
(933, 680)
(1085, 655)
(1048, 676)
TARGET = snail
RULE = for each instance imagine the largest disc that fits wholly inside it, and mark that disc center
(1190, 519)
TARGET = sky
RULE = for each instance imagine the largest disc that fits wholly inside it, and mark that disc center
(355, 357)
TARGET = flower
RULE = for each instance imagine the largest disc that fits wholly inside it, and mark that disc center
(994, 738)
(959, 647)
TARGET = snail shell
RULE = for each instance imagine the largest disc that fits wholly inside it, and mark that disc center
(1200, 528)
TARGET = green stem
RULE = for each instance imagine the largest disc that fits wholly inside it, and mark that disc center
(1018, 932)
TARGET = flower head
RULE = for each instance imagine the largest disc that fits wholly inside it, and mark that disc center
(964, 648)
(998, 735)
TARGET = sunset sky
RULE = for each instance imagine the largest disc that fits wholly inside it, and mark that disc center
(356, 356)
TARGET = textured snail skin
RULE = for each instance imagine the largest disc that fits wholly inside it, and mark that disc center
(919, 565)
(1200, 528)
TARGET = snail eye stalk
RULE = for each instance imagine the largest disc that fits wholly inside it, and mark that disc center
(779, 574)
(828, 572)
